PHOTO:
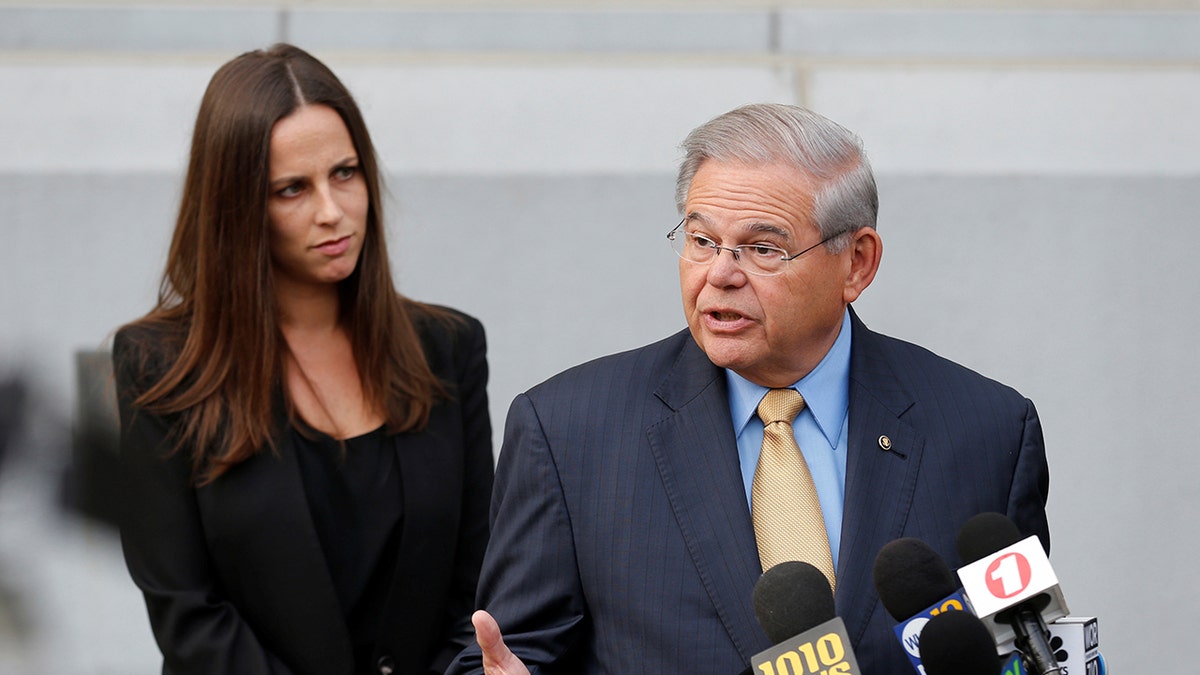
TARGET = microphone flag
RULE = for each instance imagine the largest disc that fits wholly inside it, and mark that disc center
(822, 650)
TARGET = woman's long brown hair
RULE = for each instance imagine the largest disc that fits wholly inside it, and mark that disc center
(215, 322)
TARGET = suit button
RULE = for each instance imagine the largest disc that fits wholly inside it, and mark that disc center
(386, 665)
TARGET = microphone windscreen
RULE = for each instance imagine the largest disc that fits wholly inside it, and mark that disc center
(791, 598)
(910, 576)
(957, 643)
(984, 534)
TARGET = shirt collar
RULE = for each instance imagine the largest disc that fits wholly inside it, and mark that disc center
(826, 390)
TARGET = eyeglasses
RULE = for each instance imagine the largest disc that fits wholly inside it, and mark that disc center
(762, 260)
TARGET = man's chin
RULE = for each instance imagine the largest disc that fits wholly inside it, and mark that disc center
(726, 351)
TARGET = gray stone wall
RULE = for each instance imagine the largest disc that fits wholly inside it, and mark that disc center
(1038, 167)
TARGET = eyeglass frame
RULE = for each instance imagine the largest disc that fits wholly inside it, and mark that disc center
(737, 250)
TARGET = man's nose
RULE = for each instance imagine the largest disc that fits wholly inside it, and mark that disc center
(726, 269)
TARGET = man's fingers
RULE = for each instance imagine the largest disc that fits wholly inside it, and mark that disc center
(487, 631)
(497, 659)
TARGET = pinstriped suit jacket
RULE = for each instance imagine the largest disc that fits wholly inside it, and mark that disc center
(622, 541)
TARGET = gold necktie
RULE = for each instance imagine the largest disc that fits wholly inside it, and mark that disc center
(784, 506)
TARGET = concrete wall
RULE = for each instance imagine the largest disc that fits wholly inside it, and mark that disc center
(1038, 166)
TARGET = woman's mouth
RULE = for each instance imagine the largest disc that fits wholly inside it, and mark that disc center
(334, 247)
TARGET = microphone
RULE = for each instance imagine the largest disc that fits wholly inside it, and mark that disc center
(789, 599)
(1011, 586)
(794, 605)
(957, 643)
(910, 576)
(915, 585)
(985, 534)
(1076, 644)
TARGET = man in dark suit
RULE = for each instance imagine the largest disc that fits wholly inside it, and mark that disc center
(624, 535)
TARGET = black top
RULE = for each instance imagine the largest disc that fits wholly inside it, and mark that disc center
(356, 499)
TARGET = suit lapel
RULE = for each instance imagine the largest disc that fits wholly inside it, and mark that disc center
(696, 455)
(428, 519)
(261, 508)
(884, 456)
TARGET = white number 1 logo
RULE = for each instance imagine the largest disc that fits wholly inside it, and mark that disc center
(1008, 575)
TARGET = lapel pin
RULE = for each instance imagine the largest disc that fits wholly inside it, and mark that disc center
(885, 444)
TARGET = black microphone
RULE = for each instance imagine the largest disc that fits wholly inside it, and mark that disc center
(957, 643)
(1010, 583)
(915, 585)
(984, 534)
(791, 598)
(794, 604)
(910, 576)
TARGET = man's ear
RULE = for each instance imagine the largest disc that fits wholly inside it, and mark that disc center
(866, 249)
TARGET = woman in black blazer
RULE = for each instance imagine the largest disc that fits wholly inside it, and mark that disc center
(307, 453)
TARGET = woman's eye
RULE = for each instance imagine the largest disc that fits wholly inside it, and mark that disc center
(290, 190)
(345, 172)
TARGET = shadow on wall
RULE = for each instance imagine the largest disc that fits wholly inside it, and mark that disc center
(59, 496)
(14, 394)
(90, 484)
(88, 480)
(13, 397)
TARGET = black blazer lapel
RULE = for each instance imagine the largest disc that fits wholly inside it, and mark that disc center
(696, 454)
(259, 507)
(431, 516)
(883, 460)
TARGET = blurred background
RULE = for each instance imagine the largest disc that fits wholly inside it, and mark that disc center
(1038, 165)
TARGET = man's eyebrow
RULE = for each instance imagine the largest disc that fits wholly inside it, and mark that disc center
(768, 228)
(756, 226)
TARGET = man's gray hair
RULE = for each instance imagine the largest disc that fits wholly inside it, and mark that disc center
(845, 198)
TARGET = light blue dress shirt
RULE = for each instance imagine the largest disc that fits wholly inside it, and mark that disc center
(821, 429)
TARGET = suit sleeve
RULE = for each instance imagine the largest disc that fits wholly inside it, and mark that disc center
(1031, 481)
(162, 536)
(478, 464)
(530, 580)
